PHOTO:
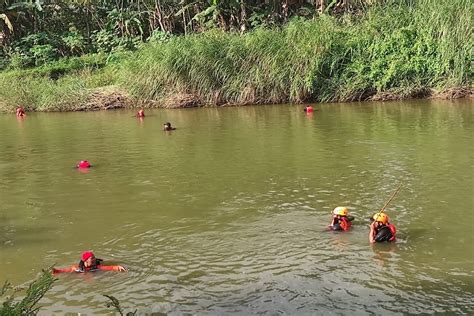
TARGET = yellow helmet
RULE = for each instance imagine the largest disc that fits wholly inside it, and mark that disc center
(341, 211)
(381, 217)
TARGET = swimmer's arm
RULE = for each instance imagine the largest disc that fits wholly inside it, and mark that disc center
(111, 268)
(65, 270)
(372, 233)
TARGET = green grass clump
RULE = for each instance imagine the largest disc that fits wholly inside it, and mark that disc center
(61, 86)
(392, 48)
(403, 48)
(27, 306)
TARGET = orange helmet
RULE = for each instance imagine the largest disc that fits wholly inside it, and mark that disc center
(341, 211)
(381, 217)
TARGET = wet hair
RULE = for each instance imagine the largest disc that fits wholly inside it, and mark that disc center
(168, 127)
(95, 263)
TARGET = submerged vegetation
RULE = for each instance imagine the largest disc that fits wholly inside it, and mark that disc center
(343, 51)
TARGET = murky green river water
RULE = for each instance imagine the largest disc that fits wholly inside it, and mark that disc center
(227, 214)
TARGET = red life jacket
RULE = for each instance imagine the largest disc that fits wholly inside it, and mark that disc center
(393, 230)
(345, 224)
(340, 223)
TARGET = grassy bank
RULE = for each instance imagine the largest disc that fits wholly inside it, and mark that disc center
(397, 51)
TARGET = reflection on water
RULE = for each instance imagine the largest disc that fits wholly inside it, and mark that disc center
(228, 213)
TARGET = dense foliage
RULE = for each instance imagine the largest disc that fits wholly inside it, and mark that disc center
(402, 49)
(34, 32)
(349, 51)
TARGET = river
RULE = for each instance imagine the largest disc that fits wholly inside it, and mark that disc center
(228, 213)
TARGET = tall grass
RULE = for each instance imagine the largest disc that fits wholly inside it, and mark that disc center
(38, 90)
(398, 47)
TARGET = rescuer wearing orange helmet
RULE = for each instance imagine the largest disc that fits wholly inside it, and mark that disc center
(341, 220)
(380, 229)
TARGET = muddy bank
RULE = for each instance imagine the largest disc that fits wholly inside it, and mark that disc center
(425, 93)
(105, 99)
(187, 100)
(111, 98)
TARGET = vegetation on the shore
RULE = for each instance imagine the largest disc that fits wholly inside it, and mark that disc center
(34, 32)
(397, 49)
(402, 49)
(28, 305)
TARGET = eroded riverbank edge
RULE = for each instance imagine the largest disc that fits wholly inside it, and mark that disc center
(111, 98)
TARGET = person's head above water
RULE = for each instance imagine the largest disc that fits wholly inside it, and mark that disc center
(308, 108)
(20, 111)
(88, 261)
(380, 218)
(340, 211)
(168, 127)
(87, 257)
(341, 219)
(380, 228)
(83, 164)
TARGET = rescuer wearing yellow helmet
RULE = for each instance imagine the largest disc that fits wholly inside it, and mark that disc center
(341, 220)
(380, 228)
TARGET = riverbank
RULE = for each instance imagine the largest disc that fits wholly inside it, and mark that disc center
(388, 53)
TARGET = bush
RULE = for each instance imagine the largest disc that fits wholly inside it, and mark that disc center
(19, 59)
(107, 41)
(159, 36)
(74, 41)
(42, 54)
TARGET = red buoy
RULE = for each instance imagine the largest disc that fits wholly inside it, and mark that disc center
(83, 164)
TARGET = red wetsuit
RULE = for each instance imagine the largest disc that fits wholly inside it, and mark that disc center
(75, 268)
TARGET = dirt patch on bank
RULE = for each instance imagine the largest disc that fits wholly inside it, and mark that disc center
(181, 100)
(454, 93)
(402, 95)
(106, 99)
(113, 98)
(424, 93)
